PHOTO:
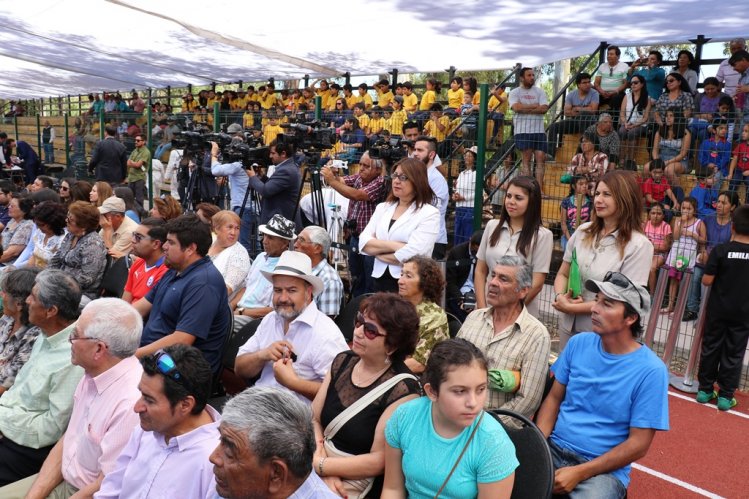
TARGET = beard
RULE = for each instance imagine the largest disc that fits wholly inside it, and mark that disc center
(287, 311)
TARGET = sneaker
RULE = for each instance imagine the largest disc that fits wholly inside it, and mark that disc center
(689, 316)
(705, 397)
(724, 404)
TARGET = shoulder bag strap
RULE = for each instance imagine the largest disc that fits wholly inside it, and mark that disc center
(465, 448)
(355, 408)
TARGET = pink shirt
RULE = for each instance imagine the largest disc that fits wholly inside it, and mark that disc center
(101, 423)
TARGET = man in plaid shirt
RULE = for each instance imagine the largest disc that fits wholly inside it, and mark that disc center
(314, 242)
(365, 190)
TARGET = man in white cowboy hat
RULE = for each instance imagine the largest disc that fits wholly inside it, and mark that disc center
(295, 344)
(256, 297)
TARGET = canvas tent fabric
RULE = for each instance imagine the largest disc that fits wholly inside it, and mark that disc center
(60, 47)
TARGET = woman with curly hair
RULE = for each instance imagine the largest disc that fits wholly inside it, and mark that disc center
(421, 282)
(166, 208)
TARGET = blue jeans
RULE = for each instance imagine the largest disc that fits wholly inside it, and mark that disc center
(463, 224)
(49, 153)
(695, 290)
(249, 221)
(360, 269)
(605, 485)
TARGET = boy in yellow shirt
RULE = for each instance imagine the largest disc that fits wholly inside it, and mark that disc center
(348, 94)
(410, 101)
(384, 95)
(272, 129)
(362, 118)
(376, 124)
(438, 125)
(364, 96)
(394, 122)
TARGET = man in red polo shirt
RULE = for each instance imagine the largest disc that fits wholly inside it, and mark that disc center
(148, 239)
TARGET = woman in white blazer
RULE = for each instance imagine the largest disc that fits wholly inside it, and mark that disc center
(405, 225)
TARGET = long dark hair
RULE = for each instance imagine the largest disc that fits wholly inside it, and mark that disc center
(679, 126)
(446, 356)
(642, 101)
(531, 220)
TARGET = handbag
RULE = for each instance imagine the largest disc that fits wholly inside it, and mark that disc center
(357, 489)
(457, 461)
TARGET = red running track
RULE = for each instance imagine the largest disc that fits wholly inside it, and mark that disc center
(705, 454)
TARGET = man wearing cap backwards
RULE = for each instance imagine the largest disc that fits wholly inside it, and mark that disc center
(116, 228)
(296, 343)
(256, 297)
(609, 397)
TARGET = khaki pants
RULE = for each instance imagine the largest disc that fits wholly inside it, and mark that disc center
(18, 490)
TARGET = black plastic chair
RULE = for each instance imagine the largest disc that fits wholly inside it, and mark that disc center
(227, 382)
(115, 277)
(534, 478)
(453, 324)
(345, 320)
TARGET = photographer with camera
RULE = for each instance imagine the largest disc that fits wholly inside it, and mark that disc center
(280, 191)
(238, 184)
(365, 190)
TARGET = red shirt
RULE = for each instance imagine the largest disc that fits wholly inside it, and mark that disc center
(657, 190)
(140, 280)
(742, 153)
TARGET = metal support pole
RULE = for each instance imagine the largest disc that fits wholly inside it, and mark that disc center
(602, 52)
(450, 73)
(101, 123)
(318, 108)
(478, 200)
(66, 141)
(306, 81)
(347, 75)
(686, 383)
(681, 304)
(655, 307)
(699, 43)
(38, 136)
(216, 118)
(394, 81)
(149, 126)
(15, 126)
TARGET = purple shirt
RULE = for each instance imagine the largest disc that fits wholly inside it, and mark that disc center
(149, 467)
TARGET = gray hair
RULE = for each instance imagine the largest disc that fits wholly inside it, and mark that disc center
(604, 116)
(56, 288)
(318, 235)
(277, 424)
(523, 271)
(116, 323)
(738, 41)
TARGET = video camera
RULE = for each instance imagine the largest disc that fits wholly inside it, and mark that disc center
(310, 136)
(392, 150)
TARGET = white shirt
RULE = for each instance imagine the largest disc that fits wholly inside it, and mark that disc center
(729, 76)
(525, 122)
(441, 194)
(316, 341)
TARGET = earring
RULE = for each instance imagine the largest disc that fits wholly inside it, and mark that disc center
(387, 360)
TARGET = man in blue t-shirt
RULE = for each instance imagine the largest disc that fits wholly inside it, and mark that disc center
(189, 305)
(609, 397)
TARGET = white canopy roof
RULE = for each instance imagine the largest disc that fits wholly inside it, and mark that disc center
(57, 47)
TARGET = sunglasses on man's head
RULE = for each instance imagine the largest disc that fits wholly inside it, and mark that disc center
(370, 330)
(164, 364)
(622, 281)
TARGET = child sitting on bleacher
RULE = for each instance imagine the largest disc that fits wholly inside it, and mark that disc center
(660, 234)
(715, 152)
(572, 217)
(361, 117)
(438, 125)
(272, 129)
(656, 189)
(705, 194)
(738, 172)
(376, 124)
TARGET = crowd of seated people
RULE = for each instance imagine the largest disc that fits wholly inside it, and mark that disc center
(364, 403)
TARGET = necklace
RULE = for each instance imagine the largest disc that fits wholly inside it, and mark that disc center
(368, 380)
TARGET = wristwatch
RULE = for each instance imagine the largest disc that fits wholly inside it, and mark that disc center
(240, 311)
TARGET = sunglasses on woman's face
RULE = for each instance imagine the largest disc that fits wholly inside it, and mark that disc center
(370, 330)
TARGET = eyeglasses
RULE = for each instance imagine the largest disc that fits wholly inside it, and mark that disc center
(622, 281)
(400, 176)
(670, 80)
(636, 81)
(370, 330)
(139, 237)
(164, 364)
(139, 140)
(63, 188)
(72, 338)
